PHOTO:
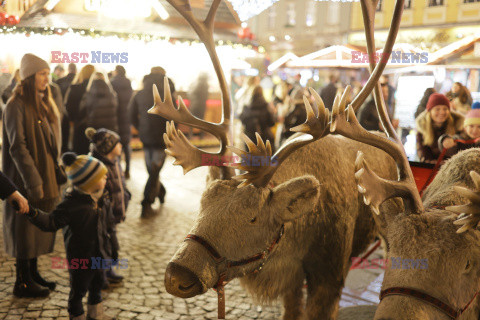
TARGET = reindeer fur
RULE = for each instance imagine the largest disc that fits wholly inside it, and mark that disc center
(317, 246)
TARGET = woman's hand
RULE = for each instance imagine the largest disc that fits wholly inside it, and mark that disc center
(20, 200)
(448, 143)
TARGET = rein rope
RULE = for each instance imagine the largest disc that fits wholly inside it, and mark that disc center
(453, 313)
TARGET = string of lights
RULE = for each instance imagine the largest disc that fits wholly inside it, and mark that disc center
(250, 8)
(94, 33)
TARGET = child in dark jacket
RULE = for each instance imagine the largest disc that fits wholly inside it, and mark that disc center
(468, 138)
(105, 146)
(84, 214)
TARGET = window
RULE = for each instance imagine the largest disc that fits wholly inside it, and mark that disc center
(311, 13)
(470, 1)
(333, 13)
(379, 6)
(408, 4)
(435, 3)
(291, 14)
(272, 15)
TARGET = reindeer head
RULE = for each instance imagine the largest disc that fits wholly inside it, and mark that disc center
(249, 219)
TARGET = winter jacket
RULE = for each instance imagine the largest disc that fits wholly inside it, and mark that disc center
(328, 94)
(459, 144)
(150, 127)
(65, 82)
(116, 187)
(78, 117)
(101, 104)
(8, 91)
(257, 118)
(123, 88)
(368, 116)
(28, 162)
(6, 186)
(432, 152)
(84, 222)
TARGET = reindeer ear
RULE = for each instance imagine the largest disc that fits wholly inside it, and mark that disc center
(295, 197)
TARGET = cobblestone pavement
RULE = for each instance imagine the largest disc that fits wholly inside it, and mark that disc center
(148, 245)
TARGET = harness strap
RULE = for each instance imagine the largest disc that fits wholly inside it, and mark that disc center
(215, 255)
(425, 297)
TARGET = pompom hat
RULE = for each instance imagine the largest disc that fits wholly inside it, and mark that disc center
(31, 64)
(437, 99)
(472, 117)
(103, 140)
(82, 170)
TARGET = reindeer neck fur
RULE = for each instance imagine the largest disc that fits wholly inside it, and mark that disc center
(340, 216)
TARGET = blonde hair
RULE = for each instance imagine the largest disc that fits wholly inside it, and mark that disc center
(84, 74)
(98, 76)
(429, 135)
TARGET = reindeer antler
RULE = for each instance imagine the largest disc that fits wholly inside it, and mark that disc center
(470, 213)
(188, 156)
(344, 122)
(315, 127)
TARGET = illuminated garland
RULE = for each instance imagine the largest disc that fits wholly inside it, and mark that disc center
(27, 31)
(250, 8)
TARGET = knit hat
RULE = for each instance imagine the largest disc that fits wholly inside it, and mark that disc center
(103, 140)
(31, 64)
(472, 117)
(437, 99)
(476, 105)
(82, 170)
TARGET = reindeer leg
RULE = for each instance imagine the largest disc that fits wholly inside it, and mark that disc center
(322, 302)
(293, 303)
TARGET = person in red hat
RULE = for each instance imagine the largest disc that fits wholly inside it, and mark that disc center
(434, 122)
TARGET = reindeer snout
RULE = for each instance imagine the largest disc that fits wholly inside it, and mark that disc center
(181, 282)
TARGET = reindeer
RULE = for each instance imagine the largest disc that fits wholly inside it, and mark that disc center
(273, 227)
(425, 231)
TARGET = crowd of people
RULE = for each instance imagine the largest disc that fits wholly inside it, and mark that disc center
(74, 129)
(87, 117)
(443, 122)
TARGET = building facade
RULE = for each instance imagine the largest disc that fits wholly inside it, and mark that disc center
(301, 26)
(429, 24)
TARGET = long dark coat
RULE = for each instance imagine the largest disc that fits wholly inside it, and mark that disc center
(123, 88)
(79, 117)
(100, 103)
(28, 163)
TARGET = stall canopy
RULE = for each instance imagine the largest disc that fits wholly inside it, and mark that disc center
(121, 18)
(351, 57)
(338, 56)
(463, 52)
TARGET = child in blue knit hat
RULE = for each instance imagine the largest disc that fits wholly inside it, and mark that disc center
(83, 215)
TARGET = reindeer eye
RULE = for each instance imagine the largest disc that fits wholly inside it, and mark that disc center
(253, 220)
(468, 265)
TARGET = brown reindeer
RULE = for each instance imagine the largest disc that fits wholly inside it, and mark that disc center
(434, 268)
(280, 228)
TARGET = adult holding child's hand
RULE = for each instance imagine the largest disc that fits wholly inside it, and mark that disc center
(30, 154)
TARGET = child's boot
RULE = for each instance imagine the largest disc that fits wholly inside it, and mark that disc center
(80, 317)
(95, 312)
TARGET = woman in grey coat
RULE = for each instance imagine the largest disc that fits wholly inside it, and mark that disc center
(30, 152)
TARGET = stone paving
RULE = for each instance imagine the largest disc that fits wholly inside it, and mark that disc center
(148, 245)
